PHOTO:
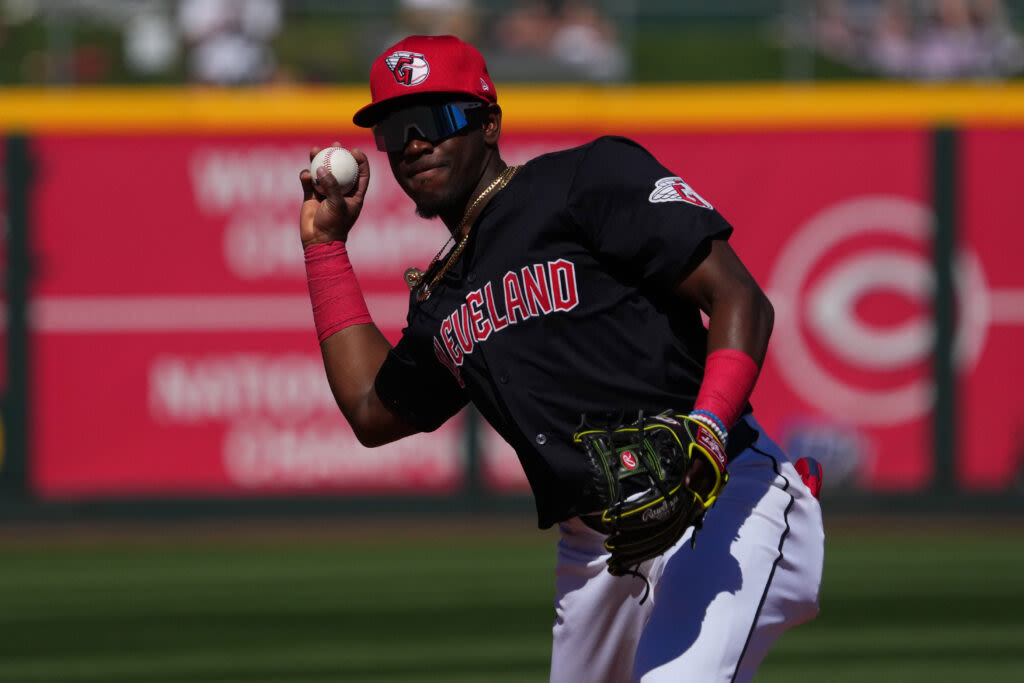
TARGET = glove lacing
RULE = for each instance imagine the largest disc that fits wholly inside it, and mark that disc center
(635, 571)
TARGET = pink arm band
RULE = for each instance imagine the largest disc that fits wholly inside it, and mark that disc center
(333, 289)
(729, 377)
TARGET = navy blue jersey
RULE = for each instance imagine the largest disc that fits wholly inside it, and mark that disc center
(561, 304)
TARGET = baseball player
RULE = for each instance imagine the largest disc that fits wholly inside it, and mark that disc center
(566, 306)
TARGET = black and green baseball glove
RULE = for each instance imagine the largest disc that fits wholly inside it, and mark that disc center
(640, 472)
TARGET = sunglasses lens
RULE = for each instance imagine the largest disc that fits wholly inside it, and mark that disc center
(431, 123)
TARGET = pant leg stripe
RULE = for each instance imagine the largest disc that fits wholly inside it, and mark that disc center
(771, 575)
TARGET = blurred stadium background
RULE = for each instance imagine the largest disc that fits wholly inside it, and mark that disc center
(139, 42)
(179, 499)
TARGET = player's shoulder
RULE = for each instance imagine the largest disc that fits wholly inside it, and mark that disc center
(603, 144)
(607, 149)
(614, 142)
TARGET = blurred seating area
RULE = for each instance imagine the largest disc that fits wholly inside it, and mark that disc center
(247, 42)
(928, 40)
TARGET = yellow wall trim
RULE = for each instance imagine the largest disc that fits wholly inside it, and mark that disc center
(527, 108)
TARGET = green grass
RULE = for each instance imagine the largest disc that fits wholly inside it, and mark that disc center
(323, 610)
(441, 606)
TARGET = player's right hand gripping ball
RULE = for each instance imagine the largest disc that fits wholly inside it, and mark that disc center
(640, 483)
(339, 162)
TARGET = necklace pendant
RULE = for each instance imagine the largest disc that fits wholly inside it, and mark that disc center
(413, 277)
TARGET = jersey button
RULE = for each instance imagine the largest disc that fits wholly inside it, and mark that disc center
(471, 278)
(541, 439)
(503, 378)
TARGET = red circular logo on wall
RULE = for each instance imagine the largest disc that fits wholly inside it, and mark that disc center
(628, 460)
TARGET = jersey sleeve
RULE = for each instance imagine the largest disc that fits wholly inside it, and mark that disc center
(635, 212)
(417, 388)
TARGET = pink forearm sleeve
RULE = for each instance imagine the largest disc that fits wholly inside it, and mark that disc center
(333, 289)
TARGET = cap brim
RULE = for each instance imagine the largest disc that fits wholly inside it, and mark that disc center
(371, 114)
(368, 116)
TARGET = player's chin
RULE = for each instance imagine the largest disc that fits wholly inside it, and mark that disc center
(435, 203)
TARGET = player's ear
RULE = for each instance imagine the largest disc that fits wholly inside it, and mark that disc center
(492, 124)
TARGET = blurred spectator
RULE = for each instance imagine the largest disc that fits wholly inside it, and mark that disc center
(587, 41)
(437, 18)
(1005, 48)
(946, 45)
(962, 39)
(559, 39)
(933, 40)
(834, 33)
(229, 41)
(527, 28)
(892, 48)
(151, 42)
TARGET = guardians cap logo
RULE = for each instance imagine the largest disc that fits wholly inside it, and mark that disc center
(409, 68)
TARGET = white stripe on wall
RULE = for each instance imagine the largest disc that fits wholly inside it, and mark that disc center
(124, 314)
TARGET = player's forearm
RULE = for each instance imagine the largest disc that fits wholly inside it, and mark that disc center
(741, 318)
(353, 347)
(740, 323)
(740, 315)
(352, 358)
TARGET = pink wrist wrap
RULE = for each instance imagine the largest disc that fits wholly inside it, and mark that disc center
(729, 377)
(333, 289)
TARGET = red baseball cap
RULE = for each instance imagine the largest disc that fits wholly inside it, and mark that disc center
(425, 64)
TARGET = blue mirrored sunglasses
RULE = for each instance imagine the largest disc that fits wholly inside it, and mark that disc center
(430, 122)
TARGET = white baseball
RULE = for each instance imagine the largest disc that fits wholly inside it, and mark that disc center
(338, 161)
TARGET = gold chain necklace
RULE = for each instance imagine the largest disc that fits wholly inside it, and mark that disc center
(414, 276)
